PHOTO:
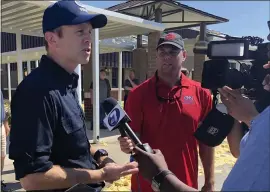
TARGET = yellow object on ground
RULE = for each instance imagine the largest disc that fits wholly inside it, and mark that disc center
(224, 161)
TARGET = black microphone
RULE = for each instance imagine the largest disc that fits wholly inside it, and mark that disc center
(116, 118)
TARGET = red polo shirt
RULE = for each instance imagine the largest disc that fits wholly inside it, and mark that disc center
(169, 126)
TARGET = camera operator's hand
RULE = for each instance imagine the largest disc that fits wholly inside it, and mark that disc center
(238, 106)
(126, 144)
(150, 164)
(113, 171)
(266, 81)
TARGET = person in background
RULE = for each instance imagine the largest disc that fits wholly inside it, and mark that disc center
(4, 134)
(165, 111)
(130, 83)
(104, 93)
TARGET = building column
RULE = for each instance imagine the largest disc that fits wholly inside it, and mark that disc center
(95, 74)
(28, 67)
(139, 60)
(152, 44)
(139, 41)
(19, 57)
(120, 71)
(9, 82)
(200, 58)
(79, 87)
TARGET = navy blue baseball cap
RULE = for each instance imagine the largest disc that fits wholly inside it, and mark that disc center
(70, 13)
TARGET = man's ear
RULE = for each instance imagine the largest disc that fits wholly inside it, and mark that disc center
(184, 55)
(51, 39)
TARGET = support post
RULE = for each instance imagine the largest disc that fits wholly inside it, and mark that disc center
(79, 87)
(36, 63)
(28, 67)
(120, 70)
(95, 66)
(19, 57)
(9, 82)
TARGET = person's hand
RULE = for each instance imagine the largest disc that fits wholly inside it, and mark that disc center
(266, 81)
(113, 171)
(238, 106)
(150, 164)
(126, 144)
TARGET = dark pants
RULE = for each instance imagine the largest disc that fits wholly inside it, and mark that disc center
(101, 114)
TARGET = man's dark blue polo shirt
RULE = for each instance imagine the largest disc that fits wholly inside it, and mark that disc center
(48, 125)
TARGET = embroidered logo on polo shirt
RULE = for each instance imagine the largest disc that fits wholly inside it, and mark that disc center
(188, 100)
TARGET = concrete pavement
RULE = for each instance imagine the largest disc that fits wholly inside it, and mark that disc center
(110, 143)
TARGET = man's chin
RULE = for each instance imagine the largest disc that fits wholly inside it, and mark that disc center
(84, 61)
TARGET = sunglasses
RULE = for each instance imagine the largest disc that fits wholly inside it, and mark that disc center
(167, 99)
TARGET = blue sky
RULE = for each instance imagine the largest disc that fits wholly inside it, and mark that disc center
(245, 17)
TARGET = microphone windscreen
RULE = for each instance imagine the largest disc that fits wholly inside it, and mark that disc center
(215, 128)
(108, 104)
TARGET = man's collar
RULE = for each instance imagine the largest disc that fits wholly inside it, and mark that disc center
(70, 79)
(184, 80)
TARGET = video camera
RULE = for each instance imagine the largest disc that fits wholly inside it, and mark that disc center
(249, 52)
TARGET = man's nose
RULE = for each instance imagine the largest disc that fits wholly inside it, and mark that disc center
(167, 56)
(88, 39)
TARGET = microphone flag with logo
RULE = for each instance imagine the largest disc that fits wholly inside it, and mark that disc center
(114, 115)
(117, 118)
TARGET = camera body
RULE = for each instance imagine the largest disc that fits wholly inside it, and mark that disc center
(220, 70)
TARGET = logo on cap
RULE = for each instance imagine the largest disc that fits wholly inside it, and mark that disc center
(81, 7)
(170, 36)
(114, 117)
(212, 131)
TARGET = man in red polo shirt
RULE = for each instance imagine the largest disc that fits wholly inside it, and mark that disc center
(165, 111)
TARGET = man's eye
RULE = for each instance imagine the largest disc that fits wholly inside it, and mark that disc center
(80, 31)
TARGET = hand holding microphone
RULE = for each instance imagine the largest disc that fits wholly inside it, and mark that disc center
(126, 144)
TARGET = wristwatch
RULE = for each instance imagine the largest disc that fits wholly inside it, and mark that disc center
(158, 179)
(100, 153)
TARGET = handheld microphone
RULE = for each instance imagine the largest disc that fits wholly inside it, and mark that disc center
(116, 118)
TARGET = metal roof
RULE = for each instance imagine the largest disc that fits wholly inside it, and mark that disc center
(174, 14)
(26, 17)
(105, 46)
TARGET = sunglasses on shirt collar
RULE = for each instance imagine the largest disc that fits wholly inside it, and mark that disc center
(168, 99)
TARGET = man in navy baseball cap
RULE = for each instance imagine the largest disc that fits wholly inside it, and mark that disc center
(67, 28)
(70, 13)
(54, 153)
